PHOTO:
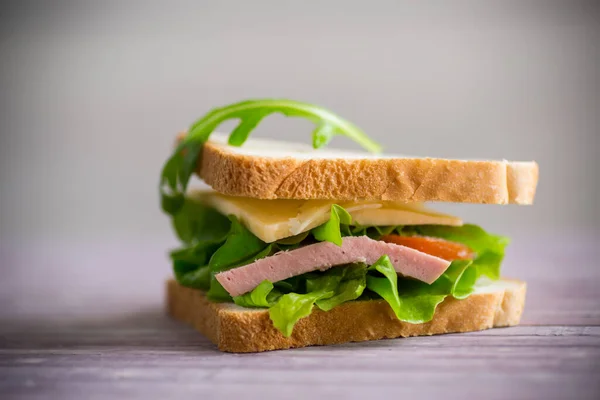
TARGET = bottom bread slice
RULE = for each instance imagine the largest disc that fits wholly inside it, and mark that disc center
(241, 330)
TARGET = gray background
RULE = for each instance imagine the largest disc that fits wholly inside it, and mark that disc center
(92, 94)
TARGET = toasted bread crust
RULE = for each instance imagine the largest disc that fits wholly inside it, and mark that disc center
(394, 179)
(242, 330)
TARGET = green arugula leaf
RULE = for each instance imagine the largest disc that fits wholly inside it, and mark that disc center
(322, 134)
(241, 245)
(190, 264)
(247, 124)
(191, 275)
(240, 248)
(292, 242)
(217, 292)
(198, 254)
(176, 174)
(331, 230)
(198, 222)
(179, 167)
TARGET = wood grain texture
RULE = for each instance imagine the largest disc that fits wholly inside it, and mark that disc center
(81, 320)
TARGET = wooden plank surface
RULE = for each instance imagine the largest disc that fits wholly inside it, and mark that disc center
(84, 320)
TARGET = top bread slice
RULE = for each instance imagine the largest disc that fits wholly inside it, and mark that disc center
(266, 169)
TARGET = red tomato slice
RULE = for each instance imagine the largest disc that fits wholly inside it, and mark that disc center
(436, 247)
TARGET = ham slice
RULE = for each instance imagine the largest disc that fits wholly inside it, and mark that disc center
(324, 255)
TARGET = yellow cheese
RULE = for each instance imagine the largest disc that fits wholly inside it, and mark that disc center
(271, 220)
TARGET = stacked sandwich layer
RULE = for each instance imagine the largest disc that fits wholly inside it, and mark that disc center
(297, 259)
(297, 246)
(292, 255)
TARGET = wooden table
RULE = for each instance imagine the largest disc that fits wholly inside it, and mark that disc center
(81, 320)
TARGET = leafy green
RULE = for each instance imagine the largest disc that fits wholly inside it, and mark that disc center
(327, 289)
(350, 287)
(176, 174)
(220, 244)
(415, 301)
(192, 275)
(292, 242)
(461, 276)
(204, 230)
(386, 286)
(489, 248)
(240, 248)
(294, 284)
(264, 295)
(196, 222)
(179, 167)
(331, 230)
(216, 243)
(374, 232)
(241, 244)
(198, 254)
(217, 292)
(291, 308)
(190, 264)
(411, 300)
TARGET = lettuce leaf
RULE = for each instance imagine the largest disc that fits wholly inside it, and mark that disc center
(413, 306)
(489, 248)
(331, 231)
(411, 300)
(461, 277)
(415, 301)
(386, 286)
(264, 295)
(326, 289)
(292, 307)
(350, 287)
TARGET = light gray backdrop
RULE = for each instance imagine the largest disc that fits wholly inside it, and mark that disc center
(92, 94)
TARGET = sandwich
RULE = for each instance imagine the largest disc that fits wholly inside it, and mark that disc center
(297, 245)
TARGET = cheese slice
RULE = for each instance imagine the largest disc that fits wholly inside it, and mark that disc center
(272, 220)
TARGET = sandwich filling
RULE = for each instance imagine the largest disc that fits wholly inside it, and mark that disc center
(292, 255)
